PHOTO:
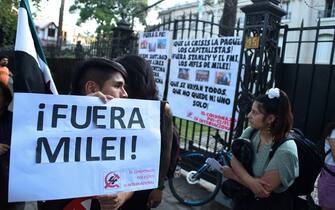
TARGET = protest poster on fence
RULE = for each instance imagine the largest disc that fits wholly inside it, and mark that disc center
(154, 47)
(76, 146)
(203, 75)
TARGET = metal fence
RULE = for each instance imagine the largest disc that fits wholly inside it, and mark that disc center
(307, 80)
(195, 136)
(306, 73)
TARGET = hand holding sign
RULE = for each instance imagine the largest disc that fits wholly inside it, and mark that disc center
(113, 202)
(3, 148)
(104, 98)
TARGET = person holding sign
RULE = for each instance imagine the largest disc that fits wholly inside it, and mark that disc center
(105, 79)
(141, 85)
(5, 140)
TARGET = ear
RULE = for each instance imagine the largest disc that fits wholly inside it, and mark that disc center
(270, 119)
(91, 87)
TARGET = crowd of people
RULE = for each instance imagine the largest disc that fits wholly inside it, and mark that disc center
(270, 120)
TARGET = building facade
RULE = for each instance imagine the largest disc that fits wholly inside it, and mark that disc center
(47, 32)
(300, 13)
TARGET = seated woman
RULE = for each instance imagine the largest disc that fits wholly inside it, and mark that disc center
(272, 118)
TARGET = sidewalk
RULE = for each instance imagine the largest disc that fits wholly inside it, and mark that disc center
(170, 203)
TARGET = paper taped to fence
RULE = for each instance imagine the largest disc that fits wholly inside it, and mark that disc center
(154, 46)
(203, 75)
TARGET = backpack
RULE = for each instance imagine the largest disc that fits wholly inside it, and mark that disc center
(175, 149)
(325, 166)
(310, 162)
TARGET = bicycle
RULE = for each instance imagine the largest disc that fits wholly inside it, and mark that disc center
(192, 171)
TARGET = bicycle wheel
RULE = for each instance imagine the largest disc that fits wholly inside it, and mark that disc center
(191, 187)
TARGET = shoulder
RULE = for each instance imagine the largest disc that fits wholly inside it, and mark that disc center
(332, 135)
(167, 116)
(247, 132)
(288, 148)
(4, 68)
(167, 110)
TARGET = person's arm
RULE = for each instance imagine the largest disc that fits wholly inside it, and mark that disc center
(155, 196)
(272, 178)
(261, 187)
(114, 202)
(166, 145)
(3, 148)
(229, 173)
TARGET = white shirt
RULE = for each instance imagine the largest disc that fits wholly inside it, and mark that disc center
(329, 158)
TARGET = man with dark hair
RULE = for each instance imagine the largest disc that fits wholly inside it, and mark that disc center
(105, 79)
(4, 71)
(100, 75)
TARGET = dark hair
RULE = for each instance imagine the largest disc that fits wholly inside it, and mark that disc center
(98, 70)
(328, 129)
(3, 56)
(281, 108)
(5, 91)
(141, 82)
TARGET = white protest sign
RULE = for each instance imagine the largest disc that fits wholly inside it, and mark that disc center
(76, 146)
(203, 75)
(154, 47)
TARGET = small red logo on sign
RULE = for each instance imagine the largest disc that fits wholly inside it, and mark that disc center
(112, 180)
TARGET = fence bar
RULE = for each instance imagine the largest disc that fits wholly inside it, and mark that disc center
(183, 26)
(175, 29)
(297, 70)
(313, 75)
(216, 141)
(203, 29)
(169, 28)
(207, 139)
(193, 130)
(200, 134)
(196, 26)
(284, 44)
(189, 26)
(164, 24)
(186, 129)
(331, 69)
(212, 24)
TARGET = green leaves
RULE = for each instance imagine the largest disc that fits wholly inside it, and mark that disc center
(8, 19)
(108, 12)
(8, 16)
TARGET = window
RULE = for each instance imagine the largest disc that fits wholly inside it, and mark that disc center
(324, 49)
(330, 8)
(286, 7)
(51, 32)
